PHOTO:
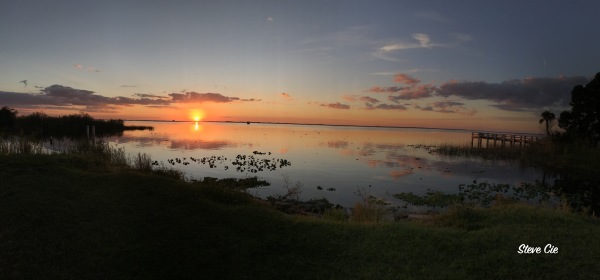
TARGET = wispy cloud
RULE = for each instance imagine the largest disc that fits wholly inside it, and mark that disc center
(368, 99)
(145, 95)
(415, 92)
(285, 96)
(336, 105)
(350, 98)
(384, 106)
(448, 106)
(195, 97)
(421, 41)
(405, 79)
(82, 68)
(379, 89)
(415, 70)
(412, 90)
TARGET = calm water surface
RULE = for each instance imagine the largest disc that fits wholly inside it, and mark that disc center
(382, 160)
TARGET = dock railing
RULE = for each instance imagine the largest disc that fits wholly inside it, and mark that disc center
(505, 140)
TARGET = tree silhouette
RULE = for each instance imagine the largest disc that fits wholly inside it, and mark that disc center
(8, 117)
(583, 120)
(549, 118)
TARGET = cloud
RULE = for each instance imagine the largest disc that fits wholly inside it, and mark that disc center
(516, 95)
(58, 96)
(144, 95)
(446, 104)
(379, 89)
(63, 97)
(337, 105)
(350, 98)
(369, 99)
(128, 86)
(385, 107)
(415, 92)
(89, 68)
(405, 79)
(285, 96)
(270, 19)
(421, 41)
(195, 97)
(412, 91)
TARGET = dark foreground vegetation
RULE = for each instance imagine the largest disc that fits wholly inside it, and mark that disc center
(94, 215)
(41, 126)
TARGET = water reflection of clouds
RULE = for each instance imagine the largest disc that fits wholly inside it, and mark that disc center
(337, 144)
(397, 174)
(176, 144)
(199, 145)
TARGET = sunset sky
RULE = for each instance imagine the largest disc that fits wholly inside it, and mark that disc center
(492, 65)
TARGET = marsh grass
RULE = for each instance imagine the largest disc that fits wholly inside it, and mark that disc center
(489, 153)
(94, 155)
(19, 145)
(369, 209)
(142, 162)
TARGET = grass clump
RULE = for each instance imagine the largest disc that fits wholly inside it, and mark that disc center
(369, 209)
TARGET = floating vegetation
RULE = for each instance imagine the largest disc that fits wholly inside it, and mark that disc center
(242, 163)
(236, 184)
(431, 149)
(482, 194)
(467, 151)
(431, 199)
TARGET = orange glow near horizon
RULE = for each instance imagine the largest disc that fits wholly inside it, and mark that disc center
(196, 114)
(485, 120)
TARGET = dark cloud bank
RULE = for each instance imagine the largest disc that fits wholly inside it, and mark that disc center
(64, 97)
(529, 94)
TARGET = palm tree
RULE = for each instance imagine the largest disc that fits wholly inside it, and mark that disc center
(549, 118)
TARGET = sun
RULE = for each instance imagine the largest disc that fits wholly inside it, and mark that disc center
(196, 115)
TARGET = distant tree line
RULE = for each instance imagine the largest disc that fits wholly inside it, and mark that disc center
(41, 125)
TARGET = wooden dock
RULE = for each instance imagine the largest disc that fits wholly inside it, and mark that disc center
(506, 140)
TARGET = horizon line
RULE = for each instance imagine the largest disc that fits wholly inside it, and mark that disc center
(342, 125)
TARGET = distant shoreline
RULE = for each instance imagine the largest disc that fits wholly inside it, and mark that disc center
(344, 125)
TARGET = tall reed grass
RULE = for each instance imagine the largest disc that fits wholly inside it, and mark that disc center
(98, 155)
(484, 153)
(19, 146)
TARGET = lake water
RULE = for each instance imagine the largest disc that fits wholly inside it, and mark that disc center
(384, 161)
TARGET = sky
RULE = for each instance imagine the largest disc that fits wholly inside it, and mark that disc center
(479, 65)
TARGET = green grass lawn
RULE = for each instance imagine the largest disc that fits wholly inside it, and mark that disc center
(61, 219)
